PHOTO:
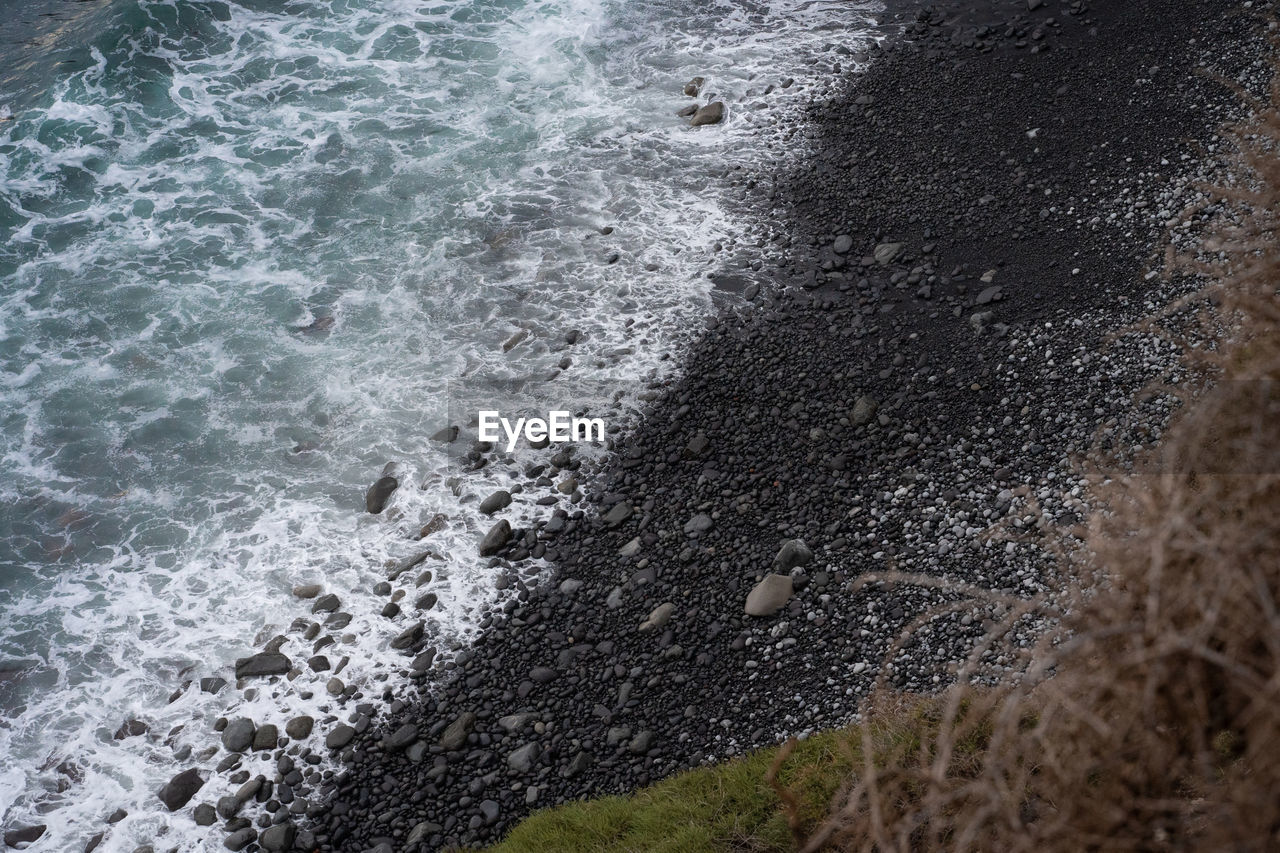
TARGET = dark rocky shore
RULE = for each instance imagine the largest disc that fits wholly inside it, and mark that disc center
(948, 237)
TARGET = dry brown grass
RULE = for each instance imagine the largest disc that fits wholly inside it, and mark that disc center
(1151, 721)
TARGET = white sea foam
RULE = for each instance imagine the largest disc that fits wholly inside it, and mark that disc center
(179, 450)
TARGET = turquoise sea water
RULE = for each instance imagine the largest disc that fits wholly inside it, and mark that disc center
(245, 250)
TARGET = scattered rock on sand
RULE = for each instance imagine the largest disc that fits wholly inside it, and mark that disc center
(456, 734)
(769, 595)
(792, 553)
(886, 253)
(521, 761)
(864, 409)
(658, 618)
(619, 513)
(401, 738)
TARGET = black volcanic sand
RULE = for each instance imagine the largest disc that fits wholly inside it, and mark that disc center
(890, 413)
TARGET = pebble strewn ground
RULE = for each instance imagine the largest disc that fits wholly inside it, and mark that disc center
(947, 240)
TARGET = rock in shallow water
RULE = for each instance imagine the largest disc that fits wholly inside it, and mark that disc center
(375, 500)
(299, 727)
(238, 735)
(496, 501)
(23, 835)
(180, 789)
(712, 113)
(339, 737)
(266, 663)
(495, 539)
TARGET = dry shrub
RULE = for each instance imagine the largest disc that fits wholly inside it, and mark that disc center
(1150, 720)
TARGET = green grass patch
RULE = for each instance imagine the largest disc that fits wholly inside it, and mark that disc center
(725, 808)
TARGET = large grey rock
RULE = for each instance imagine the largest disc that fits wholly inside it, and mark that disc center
(496, 501)
(521, 761)
(640, 744)
(769, 595)
(495, 539)
(23, 835)
(658, 617)
(409, 636)
(456, 735)
(375, 500)
(250, 789)
(579, 765)
(278, 838)
(339, 736)
(326, 604)
(543, 674)
(885, 253)
(617, 514)
(700, 523)
(299, 727)
(400, 738)
(792, 553)
(266, 737)
(422, 831)
(238, 735)
(712, 113)
(842, 244)
(265, 663)
(240, 839)
(228, 807)
(694, 86)
(864, 409)
(179, 790)
(513, 723)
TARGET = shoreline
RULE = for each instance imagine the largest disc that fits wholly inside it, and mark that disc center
(850, 412)
(637, 661)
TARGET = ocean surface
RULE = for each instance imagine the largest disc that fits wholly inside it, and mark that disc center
(253, 252)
